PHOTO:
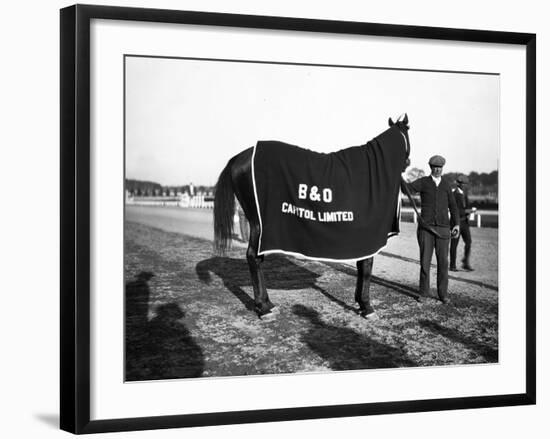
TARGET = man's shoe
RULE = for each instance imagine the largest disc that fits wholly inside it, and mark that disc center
(467, 267)
(420, 298)
(446, 301)
(453, 269)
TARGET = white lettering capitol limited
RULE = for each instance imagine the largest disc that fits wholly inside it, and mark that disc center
(316, 195)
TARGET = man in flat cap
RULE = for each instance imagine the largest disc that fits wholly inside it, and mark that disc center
(434, 227)
(461, 198)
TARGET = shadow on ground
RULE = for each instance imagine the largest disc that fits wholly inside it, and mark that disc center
(280, 274)
(398, 287)
(160, 348)
(344, 348)
(412, 290)
(489, 353)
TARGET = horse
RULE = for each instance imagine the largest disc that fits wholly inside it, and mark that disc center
(236, 180)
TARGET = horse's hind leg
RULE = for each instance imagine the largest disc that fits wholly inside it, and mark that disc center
(243, 187)
(362, 289)
(262, 303)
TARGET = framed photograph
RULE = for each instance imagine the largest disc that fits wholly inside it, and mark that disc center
(276, 218)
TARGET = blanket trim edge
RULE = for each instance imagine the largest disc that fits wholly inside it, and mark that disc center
(253, 170)
(313, 258)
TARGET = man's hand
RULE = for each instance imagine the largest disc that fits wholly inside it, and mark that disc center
(455, 232)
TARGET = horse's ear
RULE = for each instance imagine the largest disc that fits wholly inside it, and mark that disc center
(390, 122)
(406, 119)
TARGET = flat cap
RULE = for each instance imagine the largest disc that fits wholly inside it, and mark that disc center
(437, 160)
(462, 179)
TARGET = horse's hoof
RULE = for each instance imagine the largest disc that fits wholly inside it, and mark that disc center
(270, 315)
(370, 314)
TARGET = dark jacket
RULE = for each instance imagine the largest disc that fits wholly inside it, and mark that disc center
(436, 202)
(462, 204)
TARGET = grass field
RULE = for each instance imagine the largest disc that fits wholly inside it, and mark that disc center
(189, 313)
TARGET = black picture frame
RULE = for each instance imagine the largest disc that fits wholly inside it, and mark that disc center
(75, 217)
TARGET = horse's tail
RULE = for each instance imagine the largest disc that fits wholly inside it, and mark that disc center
(224, 211)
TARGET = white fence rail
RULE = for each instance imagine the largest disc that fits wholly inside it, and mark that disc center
(198, 201)
(474, 216)
(184, 200)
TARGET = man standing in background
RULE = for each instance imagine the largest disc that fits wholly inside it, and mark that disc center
(461, 198)
(434, 228)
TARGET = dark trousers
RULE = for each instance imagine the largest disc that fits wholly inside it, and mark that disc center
(467, 238)
(427, 242)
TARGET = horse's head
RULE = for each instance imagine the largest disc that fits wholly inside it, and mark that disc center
(402, 124)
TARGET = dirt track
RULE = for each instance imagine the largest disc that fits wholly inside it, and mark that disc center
(189, 313)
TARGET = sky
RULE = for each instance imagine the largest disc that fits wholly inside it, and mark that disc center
(185, 119)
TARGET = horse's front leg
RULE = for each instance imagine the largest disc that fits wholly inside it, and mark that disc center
(262, 304)
(362, 289)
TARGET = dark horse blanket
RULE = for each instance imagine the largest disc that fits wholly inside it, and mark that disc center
(338, 206)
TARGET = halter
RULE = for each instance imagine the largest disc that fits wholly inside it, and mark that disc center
(407, 145)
